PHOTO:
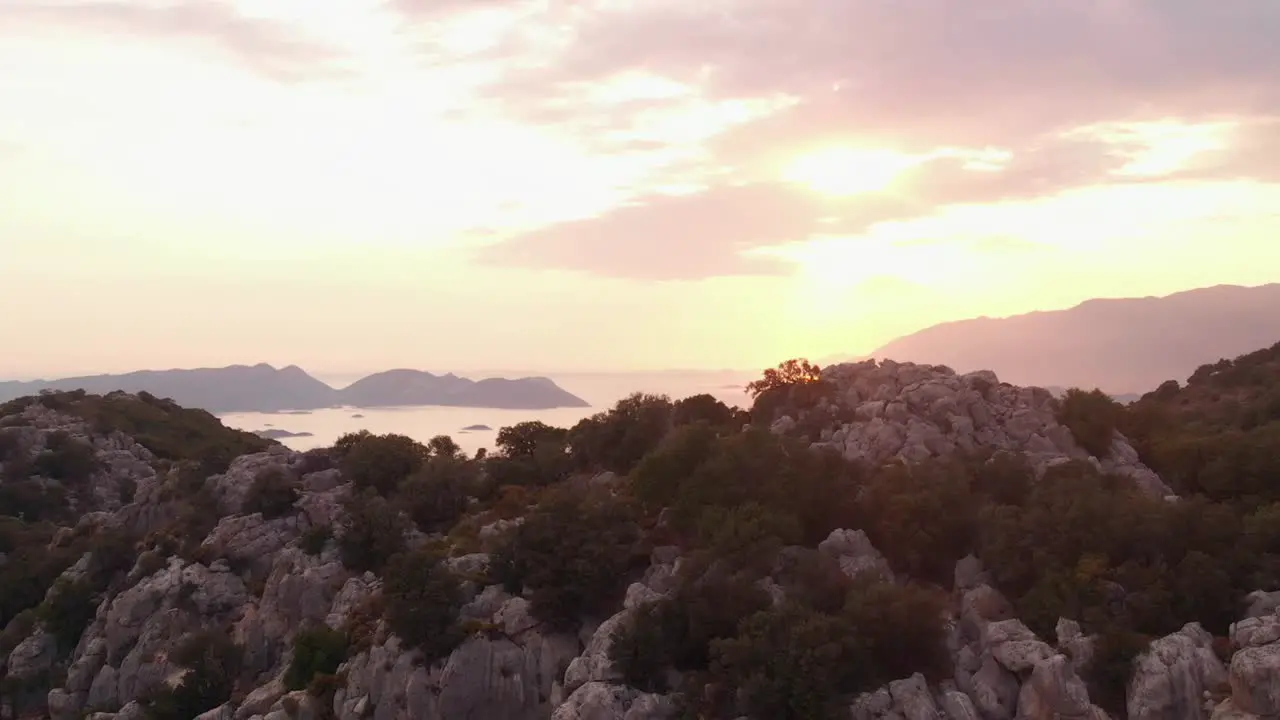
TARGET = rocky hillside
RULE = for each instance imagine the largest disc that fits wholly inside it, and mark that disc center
(868, 541)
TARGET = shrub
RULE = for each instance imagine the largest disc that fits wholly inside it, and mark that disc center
(677, 632)
(212, 661)
(67, 459)
(436, 496)
(372, 531)
(272, 493)
(574, 553)
(616, 440)
(901, 630)
(701, 408)
(1111, 666)
(747, 534)
(422, 599)
(314, 538)
(792, 372)
(1092, 417)
(380, 462)
(68, 611)
(791, 663)
(32, 500)
(317, 651)
(11, 445)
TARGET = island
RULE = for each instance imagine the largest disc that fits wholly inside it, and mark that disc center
(477, 428)
(263, 388)
(278, 434)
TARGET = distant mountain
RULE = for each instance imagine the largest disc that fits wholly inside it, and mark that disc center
(263, 388)
(1128, 345)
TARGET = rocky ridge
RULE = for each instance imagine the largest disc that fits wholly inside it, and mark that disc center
(881, 411)
(251, 575)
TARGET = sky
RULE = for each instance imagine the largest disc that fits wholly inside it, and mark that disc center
(611, 184)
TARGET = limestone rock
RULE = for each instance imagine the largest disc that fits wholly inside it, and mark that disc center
(601, 701)
(1170, 678)
(856, 555)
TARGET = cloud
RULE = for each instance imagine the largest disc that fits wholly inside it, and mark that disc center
(938, 71)
(1018, 78)
(712, 232)
(265, 46)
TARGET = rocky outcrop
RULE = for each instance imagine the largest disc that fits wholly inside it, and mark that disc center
(884, 410)
(857, 557)
(1170, 679)
(1255, 666)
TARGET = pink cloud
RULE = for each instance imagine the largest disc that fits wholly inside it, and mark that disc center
(263, 46)
(915, 75)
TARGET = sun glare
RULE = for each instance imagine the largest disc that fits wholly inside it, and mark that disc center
(847, 171)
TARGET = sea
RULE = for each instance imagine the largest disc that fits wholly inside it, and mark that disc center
(475, 428)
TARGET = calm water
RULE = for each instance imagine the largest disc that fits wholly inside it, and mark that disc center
(424, 423)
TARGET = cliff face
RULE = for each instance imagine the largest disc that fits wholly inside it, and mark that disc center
(266, 581)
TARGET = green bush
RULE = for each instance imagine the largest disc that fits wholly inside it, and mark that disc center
(1111, 666)
(68, 611)
(790, 663)
(33, 500)
(314, 538)
(616, 440)
(317, 651)
(901, 630)
(380, 462)
(574, 553)
(436, 496)
(272, 493)
(530, 454)
(1092, 418)
(67, 459)
(11, 445)
(212, 661)
(702, 408)
(677, 632)
(373, 530)
(422, 599)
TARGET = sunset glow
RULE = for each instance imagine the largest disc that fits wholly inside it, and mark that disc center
(845, 171)
(599, 184)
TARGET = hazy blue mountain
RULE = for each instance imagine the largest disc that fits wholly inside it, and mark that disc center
(263, 388)
(1127, 345)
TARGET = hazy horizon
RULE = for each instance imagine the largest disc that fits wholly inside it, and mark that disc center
(609, 186)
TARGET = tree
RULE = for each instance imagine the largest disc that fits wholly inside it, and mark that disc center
(701, 408)
(616, 440)
(381, 462)
(792, 372)
(443, 446)
(529, 454)
(523, 439)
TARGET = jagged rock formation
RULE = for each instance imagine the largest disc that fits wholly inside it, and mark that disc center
(878, 411)
(262, 580)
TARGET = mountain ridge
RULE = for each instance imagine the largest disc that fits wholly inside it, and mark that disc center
(1159, 337)
(264, 388)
